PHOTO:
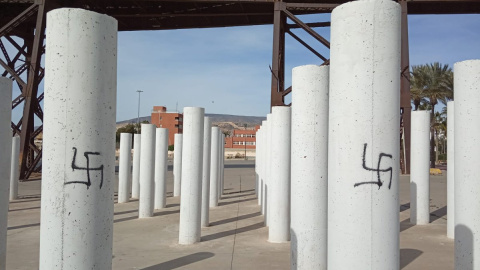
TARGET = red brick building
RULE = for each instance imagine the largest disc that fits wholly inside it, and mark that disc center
(240, 137)
(171, 120)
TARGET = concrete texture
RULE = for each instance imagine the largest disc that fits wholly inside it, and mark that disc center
(236, 238)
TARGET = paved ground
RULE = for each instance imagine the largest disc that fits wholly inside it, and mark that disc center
(236, 238)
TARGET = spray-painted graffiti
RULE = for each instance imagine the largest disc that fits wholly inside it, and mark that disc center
(88, 183)
(378, 170)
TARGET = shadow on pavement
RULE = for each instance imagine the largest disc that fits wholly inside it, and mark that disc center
(408, 255)
(182, 261)
(23, 226)
(228, 220)
(232, 232)
(238, 201)
(439, 213)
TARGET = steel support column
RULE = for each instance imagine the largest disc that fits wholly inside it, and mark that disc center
(405, 103)
(278, 56)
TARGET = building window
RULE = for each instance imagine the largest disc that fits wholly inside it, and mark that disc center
(177, 126)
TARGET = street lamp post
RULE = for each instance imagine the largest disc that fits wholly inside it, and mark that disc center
(138, 113)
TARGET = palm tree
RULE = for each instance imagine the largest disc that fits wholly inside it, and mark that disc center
(434, 82)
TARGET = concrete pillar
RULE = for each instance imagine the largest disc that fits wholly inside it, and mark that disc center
(214, 166)
(420, 168)
(222, 165)
(258, 165)
(161, 155)
(207, 140)
(177, 164)
(467, 159)
(309, 167)
(147, 172)
(78, 176)
(137, 147)
(264, 165)
(363, 151)
(124, 167)
(450, 170)
(14, 169)
(192, 165)
(268, 164)
(5, 161)
(279, 231)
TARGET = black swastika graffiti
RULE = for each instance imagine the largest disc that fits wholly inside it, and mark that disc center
(88, 183)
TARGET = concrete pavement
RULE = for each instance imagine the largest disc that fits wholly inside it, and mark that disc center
(236, 238)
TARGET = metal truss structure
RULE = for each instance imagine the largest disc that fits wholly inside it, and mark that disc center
(22, 29)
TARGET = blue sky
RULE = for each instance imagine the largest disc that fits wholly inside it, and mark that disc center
(226, 70)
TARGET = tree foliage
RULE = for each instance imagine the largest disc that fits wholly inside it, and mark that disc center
(430, 85)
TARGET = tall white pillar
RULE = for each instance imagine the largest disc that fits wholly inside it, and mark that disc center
(264, 165)
(147, 172)
(420, 168)
(220, 168)
(76, 230)
(124, 167)
(207, 132)
(268, 170)
(214, 167)
(161, 155)
(363, 151)
(467, 159)
(192, 164)
(5, 161)
(177, 164)
(14, 169)
(309, 167)
(258, 165)
(222, 165)
(450, 170)
(137, 147)
(279, 230)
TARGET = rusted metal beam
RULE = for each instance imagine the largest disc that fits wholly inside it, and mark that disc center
(18, 20)
(278, 56)
(306, 45)
(405, 102)
(30, 94)
(309, 30)
(311, 25)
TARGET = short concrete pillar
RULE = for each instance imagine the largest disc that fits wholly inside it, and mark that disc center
(467, 159)
(268, 165)
(14, 169)
(137, 147)
(192, 165)
(450, 170)
(161, 155)
(78, 176)
(177, 164)
(363, 150)
(264, 164)
(420, 168)
(5, 161)
(124, 167)
(207, 142)
(147, 172)
(214, 167)
(309, 167)
(279, 231)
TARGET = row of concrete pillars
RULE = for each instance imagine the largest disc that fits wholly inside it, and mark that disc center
(334, 154)
(328, 167)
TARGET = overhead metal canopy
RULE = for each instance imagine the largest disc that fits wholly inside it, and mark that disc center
(183, 14)
(25, 19)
